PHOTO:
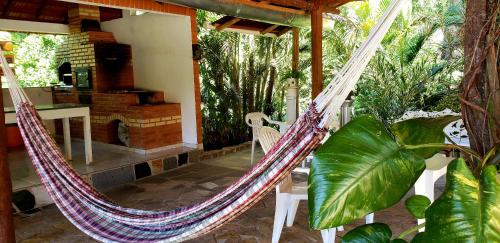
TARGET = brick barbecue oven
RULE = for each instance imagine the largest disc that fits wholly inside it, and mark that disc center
(98, 71)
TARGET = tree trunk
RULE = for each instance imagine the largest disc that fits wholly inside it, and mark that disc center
(480, 88)
(268, 101)
(251, 83)
(257, 94)
(235, 81)
(267, 63)
(244, 88)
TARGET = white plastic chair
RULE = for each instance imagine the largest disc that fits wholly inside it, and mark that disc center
(457, 133)
(436, 166)
(256, 121)
(289, 194)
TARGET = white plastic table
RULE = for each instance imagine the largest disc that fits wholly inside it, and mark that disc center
(64, 112)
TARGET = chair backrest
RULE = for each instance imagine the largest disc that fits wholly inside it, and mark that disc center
(457, 132)
(256, 121)
(268, 137)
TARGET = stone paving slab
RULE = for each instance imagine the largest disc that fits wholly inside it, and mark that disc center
(192, 184)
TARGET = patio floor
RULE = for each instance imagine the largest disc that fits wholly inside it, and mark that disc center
(106, 157)
(195, 183)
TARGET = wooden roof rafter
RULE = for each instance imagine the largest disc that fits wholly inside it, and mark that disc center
(40, 9)
(271, 6)
(269, 29)
(334, 4)
(300, 6)
(46, 11)
(228, 23)
(6, 9)
(254, 25)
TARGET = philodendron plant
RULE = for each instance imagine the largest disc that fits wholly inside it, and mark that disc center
(366, 167)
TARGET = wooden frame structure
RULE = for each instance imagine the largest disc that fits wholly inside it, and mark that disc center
(314, 8)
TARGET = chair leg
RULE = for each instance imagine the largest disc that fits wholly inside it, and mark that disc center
(292, 210)
(369, 218)
(425, 186)
(279, 216)
(253, 150)
(328, 235)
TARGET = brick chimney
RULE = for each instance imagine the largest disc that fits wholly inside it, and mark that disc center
(79, 13)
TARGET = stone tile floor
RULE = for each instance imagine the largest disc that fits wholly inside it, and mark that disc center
(188, 185)
(106, 157)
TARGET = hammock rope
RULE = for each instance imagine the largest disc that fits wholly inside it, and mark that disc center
(96, 215)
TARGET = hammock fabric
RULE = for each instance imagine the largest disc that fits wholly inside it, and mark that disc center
(105, 221)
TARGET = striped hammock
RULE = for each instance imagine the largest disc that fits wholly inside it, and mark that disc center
(103, 220)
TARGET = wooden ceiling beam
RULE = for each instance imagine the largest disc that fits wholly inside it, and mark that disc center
(227, 24)
(328, 9)
(7, 8)
(40, 9)
(283, 31)
(269, 29)
(299, 4)
(269, 6)
(335, 3)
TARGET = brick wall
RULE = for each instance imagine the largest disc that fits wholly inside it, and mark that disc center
(150, 126)
(153, 6)
(80, 12)
(79, 52)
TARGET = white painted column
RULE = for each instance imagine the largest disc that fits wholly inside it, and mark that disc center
(345, 112)
(67, 138)
(87, 139)
(291, 101)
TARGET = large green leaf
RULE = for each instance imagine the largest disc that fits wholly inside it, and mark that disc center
(469, 208)
(422, 131)
(360, 169)
(417, 205)
(419, 238)
(374, 233)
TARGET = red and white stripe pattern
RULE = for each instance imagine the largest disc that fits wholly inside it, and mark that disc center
(103, 220)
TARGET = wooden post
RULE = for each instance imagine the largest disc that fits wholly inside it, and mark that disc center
(6, 222)
(317, 49)
(295, 50)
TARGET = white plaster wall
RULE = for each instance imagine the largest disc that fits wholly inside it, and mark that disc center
(38, 96)
(162, 59)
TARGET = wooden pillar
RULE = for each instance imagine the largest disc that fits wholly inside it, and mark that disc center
(317, 50)
(6, 221)
(295, 49)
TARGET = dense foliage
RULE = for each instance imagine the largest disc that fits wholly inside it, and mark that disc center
(418, 66)
(35, 58)
(240, 74)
